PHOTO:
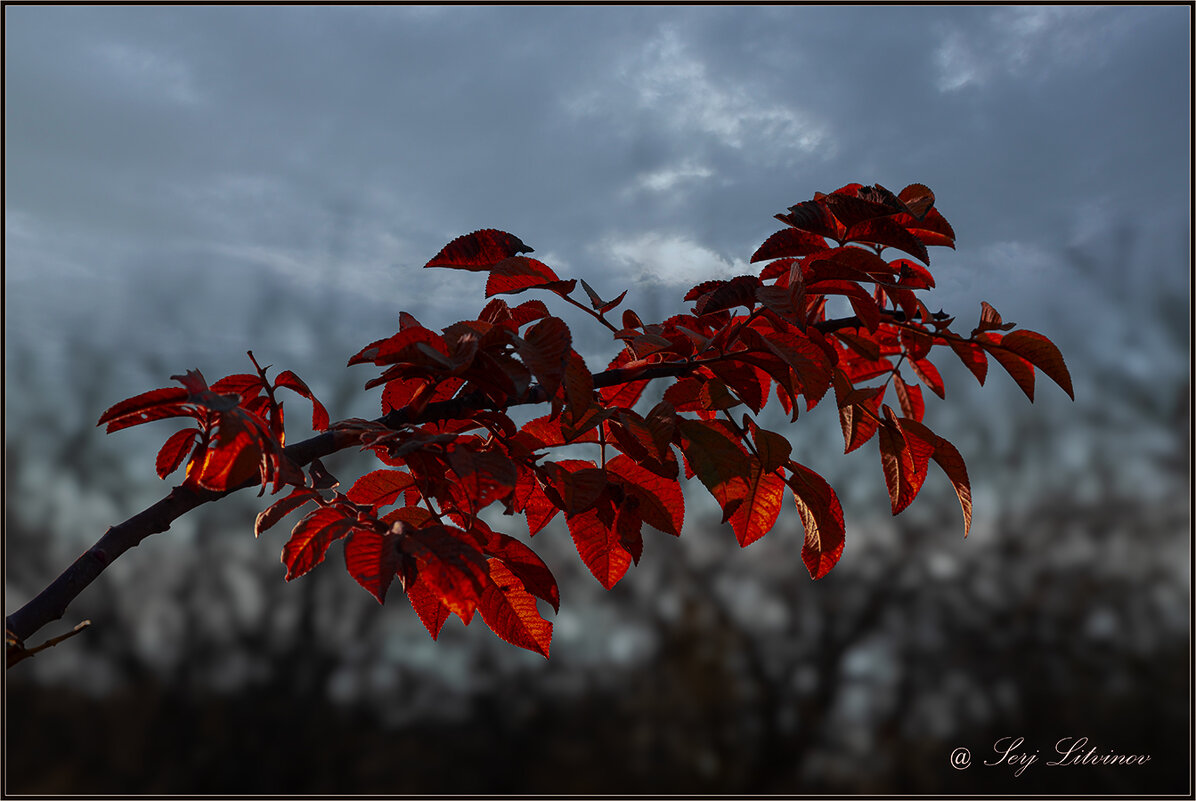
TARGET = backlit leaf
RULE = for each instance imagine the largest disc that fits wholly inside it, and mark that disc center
(432, 613)
(157, 404)
(763, 496)
(281, 508)
(523, 562)
(510, 611)
(311, 537)
(380, 487)
(175, 450)
(599, 546)
(821, 516)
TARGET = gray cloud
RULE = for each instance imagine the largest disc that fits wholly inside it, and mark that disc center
(345, 145)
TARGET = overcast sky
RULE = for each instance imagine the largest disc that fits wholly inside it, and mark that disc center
(170, 156)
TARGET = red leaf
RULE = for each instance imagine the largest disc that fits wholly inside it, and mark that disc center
(452, 569)
(482, 477)
(157, 404)
(933, 229)
(928, 374)
(536, 504)
(510, 611)
(773, 448)
(910, 398)
(814, 217)
(884, 231)
(1042, 353)
(739, 291)
(518, 273)
(1019, 369)
(372, 558)
(629, 527)
(281, 508)
(480, 250)
(379, 487)
(948, 458)
(432, 613)
(400, 347)
(623, 395)
(718, 461)
(545, 350)
(319, 415)
(579, 384)
(233, 458)
(524, 563)
(789, 242)
(972, 356)
(578, 483)
(918, 199)
(904, 457)
(661, 503)
(599, 546)
(761, 504)
(311, 537)
(852, 211)
(749, 383)
(175, 450)
(821, 515)
(528, 311)
(912, 275)
(990, 320)
(247, 385)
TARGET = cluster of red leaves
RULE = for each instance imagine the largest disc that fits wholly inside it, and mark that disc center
(450, 450)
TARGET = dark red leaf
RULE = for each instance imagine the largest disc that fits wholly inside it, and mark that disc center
(814, 217)
(545, 350)
(789, 242)
(1042, 353)
(661, 503)
(972, 356)
(519, 273)
(480, 250)
(1019, 369)
(884, 231)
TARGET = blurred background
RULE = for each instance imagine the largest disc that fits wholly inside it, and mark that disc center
(184, 184)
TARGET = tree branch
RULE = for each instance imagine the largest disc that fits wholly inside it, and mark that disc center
(52, 602)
